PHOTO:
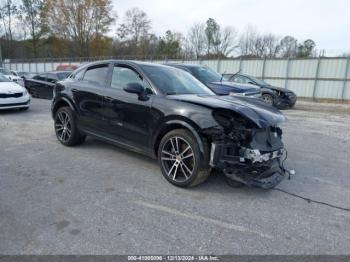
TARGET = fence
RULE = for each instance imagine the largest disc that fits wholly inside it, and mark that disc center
(321, 78)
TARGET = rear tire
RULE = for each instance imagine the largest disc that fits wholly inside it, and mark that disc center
(180, 159)
(65, 127)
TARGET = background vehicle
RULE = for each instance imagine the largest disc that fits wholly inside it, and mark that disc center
(12, 95)
(7, 73)
(23, 74)
(213, 80)
(41, 86)
(168, 114)
(66, 67)
(279, 97)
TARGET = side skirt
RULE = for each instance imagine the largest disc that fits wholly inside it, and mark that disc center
(118, 143)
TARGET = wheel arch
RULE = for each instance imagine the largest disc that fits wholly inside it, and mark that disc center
(62, 101)
(177, 124)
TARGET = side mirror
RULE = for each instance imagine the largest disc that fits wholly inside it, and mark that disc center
(252, 83)
(136, 88)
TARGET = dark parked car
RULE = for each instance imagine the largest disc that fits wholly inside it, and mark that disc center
(41, 86)
(167, 114)
(214, 81)
(281, 98)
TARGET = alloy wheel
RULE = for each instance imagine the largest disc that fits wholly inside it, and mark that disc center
(63, 126)
(178, 159)
(268, 99)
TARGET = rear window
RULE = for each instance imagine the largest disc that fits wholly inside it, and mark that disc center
(97, 74)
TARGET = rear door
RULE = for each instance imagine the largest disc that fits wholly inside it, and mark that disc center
(88, 89)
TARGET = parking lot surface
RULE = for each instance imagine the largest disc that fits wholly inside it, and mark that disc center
(99, 199)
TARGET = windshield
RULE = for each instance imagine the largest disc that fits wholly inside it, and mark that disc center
(259, 81)
(63, 75)
(4, 78)
(5, 71)
(175, 81)
(206, 74)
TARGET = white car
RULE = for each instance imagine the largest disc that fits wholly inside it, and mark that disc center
(6, 72)
(12, 95)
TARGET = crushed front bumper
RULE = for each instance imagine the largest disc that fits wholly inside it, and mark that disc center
(251, 167)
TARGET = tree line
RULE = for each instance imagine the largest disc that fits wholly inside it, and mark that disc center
(89, 28)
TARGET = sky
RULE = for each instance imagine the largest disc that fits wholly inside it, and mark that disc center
(327, 22)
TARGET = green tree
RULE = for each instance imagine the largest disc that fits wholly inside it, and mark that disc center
(212, 33)
(306, 49)
(169, 45)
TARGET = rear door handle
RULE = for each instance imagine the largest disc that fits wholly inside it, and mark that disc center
(108, 99)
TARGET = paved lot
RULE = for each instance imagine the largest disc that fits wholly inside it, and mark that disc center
(100, 199)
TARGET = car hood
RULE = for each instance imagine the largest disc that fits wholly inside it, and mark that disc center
(260, 113)
(8, 87)
(281, 89)
(11, 77)
(226, 87)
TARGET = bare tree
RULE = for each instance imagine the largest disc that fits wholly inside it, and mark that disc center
(254, 44)
(272, 46)
(8, 10)
(247, 42)
(136, 25)
(196, 39)
(228, 44)
(81, 21)
(31, 18)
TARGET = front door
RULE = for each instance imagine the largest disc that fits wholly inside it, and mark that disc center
(127, 118)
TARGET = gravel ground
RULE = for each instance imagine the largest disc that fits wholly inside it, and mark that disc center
(100, 199)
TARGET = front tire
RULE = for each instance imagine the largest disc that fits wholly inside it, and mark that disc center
(268, 99)
(180, 159)
(65, 127)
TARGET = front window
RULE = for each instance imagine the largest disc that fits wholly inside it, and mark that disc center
(206, 74)
(122, 76)
(175, 81)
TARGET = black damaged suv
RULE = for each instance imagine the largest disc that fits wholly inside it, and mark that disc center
(167, 114)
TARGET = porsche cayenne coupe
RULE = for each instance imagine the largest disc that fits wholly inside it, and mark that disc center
(166, 113)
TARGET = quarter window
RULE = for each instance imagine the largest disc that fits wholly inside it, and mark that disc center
(97, 74)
